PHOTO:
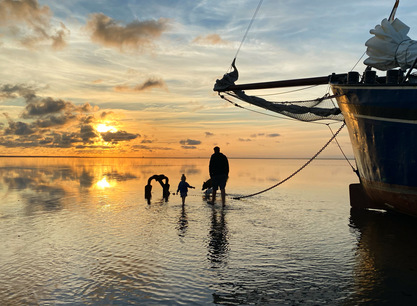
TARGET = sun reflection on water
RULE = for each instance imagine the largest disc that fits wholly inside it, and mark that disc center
(103, 183)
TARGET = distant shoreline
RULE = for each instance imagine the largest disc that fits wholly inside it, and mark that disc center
(176, 157)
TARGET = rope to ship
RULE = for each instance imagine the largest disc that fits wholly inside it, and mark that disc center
(297, 171)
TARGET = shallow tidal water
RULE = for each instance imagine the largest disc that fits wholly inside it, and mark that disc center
(79, 231)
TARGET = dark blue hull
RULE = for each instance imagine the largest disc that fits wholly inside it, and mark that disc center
(382, 124)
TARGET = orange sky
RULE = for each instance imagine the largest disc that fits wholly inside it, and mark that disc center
(146, 70)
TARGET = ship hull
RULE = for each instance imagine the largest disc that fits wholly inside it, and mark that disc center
(382, 125)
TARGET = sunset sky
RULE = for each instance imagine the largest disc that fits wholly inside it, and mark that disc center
(135, 78)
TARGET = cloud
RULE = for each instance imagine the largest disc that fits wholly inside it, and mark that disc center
(190, 142)
(115, 137)
(17, 128)
(8, 91)
(64, 139)
(244, 140)
(50, 140)
(58, 39)
(273, 135)
(106, 114)
(53, 121)
(88, 133)
(209, 134)
(49, 112)
(150, 149)
(29, 22)
(27, 11)
(40, 107)
(189, 147)
(138, 35)
(210, 39)
(149, 84)
(142, 147)
(146, 141)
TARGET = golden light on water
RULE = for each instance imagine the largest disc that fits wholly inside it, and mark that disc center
(104, 128)
(103, 183)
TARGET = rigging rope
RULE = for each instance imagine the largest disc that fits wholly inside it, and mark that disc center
(325, 97)
(353, 168)
(317, 100)
(358, 61)
(308, 112)
(288, 91)
(301, 168)
(270, 115)
(258, 112)
(249, 26)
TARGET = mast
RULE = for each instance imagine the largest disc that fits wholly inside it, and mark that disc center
(394, 10)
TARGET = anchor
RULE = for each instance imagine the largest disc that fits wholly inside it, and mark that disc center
(165, 187)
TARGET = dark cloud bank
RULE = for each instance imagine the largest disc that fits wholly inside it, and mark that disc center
(54, 123)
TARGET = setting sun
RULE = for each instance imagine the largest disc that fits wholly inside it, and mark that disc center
(103, 128)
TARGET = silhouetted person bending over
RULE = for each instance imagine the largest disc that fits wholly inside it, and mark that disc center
(219, 173)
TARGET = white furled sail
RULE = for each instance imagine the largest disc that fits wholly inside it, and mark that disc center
(391, 47)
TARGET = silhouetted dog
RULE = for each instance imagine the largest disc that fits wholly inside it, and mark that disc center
(208, 187)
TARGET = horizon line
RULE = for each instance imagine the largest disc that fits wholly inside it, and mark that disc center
(165, 157)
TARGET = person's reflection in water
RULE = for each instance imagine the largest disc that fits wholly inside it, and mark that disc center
(218, 245)
(182, 222)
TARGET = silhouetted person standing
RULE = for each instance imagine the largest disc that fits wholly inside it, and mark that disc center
(219, 173)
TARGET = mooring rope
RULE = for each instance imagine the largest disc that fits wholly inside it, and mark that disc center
(301, 168)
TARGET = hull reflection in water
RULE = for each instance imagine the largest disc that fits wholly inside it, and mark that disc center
(386, 266)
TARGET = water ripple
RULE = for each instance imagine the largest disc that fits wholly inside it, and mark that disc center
(71, 241)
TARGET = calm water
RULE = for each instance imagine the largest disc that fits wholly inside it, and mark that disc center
(79, 231)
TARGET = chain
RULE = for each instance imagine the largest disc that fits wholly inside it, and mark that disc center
(301, 168)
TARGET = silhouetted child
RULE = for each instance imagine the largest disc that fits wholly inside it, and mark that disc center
(183, 188)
